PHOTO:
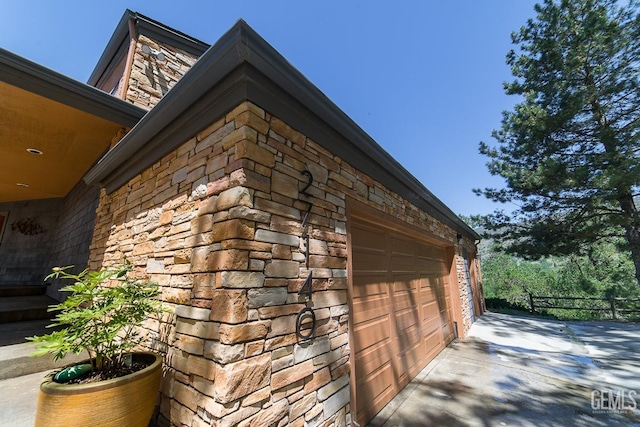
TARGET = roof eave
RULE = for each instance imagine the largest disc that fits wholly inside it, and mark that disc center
(299, 102)
(146, 26)
(20, 72)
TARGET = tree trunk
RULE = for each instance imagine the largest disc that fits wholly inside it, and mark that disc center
(630, 216)
(632, 229)
(633, 237)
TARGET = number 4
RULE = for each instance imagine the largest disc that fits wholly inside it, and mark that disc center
(307, 288)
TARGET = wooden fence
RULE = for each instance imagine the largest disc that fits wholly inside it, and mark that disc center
(620, 308)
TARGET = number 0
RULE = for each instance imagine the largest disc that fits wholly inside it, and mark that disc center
(299, 320)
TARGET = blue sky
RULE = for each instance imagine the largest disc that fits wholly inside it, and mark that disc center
(422, 77)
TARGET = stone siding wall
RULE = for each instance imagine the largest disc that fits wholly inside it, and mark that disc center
(479, 284)
(66, 230)
(151, 79)
(462, 287)
(74, 232)
(218, 223)
(24, 258)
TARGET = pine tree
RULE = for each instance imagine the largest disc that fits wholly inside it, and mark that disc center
(569, 151)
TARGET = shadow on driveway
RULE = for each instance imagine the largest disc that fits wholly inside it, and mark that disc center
(517, 371)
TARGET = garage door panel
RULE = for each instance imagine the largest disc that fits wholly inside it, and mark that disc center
(427, 294)
(428, 264)
(370, 314)
(402, 263)
(445, 317)
(373, 360)
(430, 324)
(446, 292)
(408, 338)
(365, 309)
(404, 301)
(430, 252)
(407, 318)
(368, 237)
(377, 382)
(404, 283)
(367, 312)
(433, 344)
(430, 307)
(433, 339)
(445, 306)
(378, 293)
(430, 310)
(402, 246)
(425, 265)
(368, 284)
(428, 283)
(372, 261)
(404, 291)
(442, 303)
(411, 362)
(376, 390)
(447, 332)
(400, 312)
(372, 331)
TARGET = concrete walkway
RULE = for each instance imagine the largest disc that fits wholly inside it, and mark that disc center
(18, 399)
(518, 371)
(21, 375)
(510, 371)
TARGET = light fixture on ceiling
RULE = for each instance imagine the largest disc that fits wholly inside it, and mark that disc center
(147, 50)
(22, 184)
(35, 151)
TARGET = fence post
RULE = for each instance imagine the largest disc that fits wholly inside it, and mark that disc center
(612, 303)
(533, 307)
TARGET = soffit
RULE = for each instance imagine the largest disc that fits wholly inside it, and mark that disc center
(71, 141)
(73, 124)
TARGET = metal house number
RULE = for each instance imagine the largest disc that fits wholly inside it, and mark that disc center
(307, 314)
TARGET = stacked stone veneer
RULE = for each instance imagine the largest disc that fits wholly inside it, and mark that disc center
(24, 258)
(151, 79)
(217, 223)
(463, 290)
(66, 229)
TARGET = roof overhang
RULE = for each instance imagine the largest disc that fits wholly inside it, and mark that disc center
(119, 42)
(243, 66)
(71, 123)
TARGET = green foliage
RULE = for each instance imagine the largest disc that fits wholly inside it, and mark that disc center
(510, 278)
(569, 151)
(101, 315)
(604, 272)
(472, 221)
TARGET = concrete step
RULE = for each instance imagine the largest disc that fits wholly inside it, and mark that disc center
(15, 332)
(24, 308)
(15, 351)
(15, 361)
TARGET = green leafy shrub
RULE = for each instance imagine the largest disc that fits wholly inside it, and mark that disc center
(101, 315)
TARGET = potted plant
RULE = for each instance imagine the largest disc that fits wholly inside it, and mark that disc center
(101, 316)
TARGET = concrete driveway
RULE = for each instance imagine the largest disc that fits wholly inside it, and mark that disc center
(519, 371)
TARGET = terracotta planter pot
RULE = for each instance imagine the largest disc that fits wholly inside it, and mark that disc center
(124, 401)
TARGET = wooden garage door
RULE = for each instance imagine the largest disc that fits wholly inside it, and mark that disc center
(401, 312)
